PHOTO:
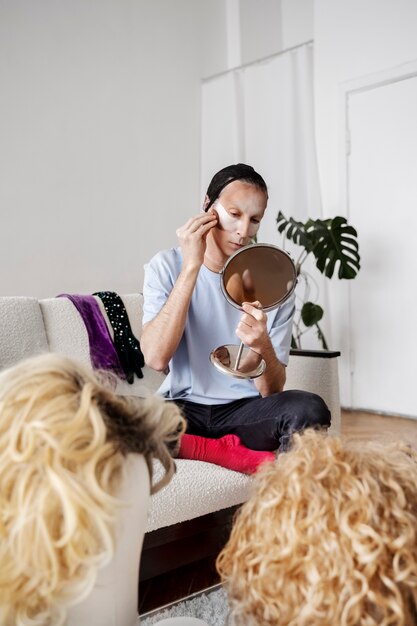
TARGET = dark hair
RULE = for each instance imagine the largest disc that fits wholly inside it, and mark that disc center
(228, 174)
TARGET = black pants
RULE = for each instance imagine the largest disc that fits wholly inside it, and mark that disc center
(260, 423)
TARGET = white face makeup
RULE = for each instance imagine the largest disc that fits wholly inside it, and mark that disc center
(231, 223)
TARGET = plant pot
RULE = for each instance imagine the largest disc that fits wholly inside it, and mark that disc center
(317, 371)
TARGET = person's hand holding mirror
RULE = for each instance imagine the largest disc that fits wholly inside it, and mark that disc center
(252, 330)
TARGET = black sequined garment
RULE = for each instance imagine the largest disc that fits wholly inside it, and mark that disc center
(125, 342)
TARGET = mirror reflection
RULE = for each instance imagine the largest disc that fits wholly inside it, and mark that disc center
(260, 272)
(244, 363)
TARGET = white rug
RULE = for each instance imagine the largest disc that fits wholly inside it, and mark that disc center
(210, 606)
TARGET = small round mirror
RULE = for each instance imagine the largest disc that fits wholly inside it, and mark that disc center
(258, 272)
(238, 362)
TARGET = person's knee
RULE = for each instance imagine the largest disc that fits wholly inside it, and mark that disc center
(317, 411)
(304, 410)
(308, 410)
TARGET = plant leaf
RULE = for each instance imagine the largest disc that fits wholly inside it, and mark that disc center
(335, 244)
(311, 314)
(294, 231)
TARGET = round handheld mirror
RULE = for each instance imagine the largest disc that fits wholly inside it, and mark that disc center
(261, 272)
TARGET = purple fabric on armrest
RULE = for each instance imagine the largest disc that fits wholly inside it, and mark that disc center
(102, 351)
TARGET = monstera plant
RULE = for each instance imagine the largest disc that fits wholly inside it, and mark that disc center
(333, 243)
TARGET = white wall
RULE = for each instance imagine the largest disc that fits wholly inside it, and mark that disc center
(297, 22)
(100, 136)
(261, 28)
(353, 39)
(100, 128)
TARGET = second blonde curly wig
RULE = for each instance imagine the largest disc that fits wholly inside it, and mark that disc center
(63, 440)
(328, 538)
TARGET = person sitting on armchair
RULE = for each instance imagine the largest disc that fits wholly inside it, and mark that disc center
(236, 423)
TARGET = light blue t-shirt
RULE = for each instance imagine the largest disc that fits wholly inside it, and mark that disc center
(211, 322)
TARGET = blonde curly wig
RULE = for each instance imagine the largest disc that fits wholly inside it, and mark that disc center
(63, 440)
(328, 538)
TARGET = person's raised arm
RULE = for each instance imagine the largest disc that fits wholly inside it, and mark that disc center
(161, 336)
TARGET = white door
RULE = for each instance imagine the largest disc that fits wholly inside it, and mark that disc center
(382, 205)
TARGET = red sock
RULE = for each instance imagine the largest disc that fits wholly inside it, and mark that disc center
(227, 451)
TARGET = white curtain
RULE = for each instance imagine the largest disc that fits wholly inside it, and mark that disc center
(262, 114)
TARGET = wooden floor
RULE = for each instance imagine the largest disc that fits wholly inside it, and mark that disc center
(361, 425)
(356, 425)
